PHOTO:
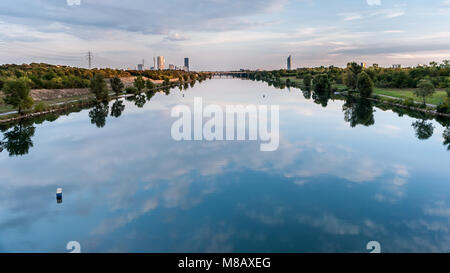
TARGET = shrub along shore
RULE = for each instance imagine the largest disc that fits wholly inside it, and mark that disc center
(18, 101)
(425, 88)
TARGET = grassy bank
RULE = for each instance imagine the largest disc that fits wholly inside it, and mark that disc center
(436, 99)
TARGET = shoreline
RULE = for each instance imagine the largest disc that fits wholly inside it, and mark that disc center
(67, 105)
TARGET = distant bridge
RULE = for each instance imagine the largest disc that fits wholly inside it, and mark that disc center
(229, 73)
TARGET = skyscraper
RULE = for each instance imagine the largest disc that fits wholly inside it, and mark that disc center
(186, 63)
(289, 62)
(160, 61)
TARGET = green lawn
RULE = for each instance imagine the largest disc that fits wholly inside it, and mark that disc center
(437, 98)
(293, 79)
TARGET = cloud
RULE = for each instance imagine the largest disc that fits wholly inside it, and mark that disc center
(176, 37)
(350, 16)
(141, 15)
(330, 224)
(73, 2)
(374, 2)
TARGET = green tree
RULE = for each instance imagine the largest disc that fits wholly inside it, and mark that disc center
(17, 93)
(364, 85)
(321, 83)
(139, 83)
(149, 84)
(116, 85)
(424, 89)
(307, 81)
(351, 76)
(349, 80)
(99, 87)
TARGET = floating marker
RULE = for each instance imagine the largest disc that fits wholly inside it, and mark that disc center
(59, 195)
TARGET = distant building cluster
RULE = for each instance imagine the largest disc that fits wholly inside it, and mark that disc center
(159, 63)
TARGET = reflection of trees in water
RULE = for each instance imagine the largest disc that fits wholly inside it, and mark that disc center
(307, 93)
(139, 100)
(17, 141)
(167, 91)
(424, 130)
(446, 137)
(358, 111)
(150, 95)
(321, 98)
(117, 108)
(98, 114)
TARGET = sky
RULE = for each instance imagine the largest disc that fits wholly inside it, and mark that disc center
(225, 34)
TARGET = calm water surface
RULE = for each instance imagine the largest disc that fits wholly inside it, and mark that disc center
(129, 187)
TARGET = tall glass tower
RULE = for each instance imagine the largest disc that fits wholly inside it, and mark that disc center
(289, 63)
(186, 63)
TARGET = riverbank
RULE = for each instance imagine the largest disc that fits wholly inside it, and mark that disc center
(64, 104)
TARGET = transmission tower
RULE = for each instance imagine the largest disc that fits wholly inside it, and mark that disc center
(90, 57)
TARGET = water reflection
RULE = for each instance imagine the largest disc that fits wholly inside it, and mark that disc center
(17, 141)
(98, 114)
(117, 108)
(424, 130)
(320, 192)
(358, 112)
(446, 137)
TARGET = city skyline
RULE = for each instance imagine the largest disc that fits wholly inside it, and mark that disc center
(220, 35)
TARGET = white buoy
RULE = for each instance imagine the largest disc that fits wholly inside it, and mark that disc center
(59, 195)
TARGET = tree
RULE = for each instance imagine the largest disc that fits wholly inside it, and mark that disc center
(307, 81)
(116, 85)
(139, 83)
(99, 88)
(351, 76)
(17, 93)
(424, 89)
(321, 83)
(349, 80)
(364, 85)
(149, 84)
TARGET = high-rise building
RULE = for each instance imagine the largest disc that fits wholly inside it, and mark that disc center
(160, 61)
(140, 67)
(171, 67)
(289, 62)
(396, 66)
(186, 63)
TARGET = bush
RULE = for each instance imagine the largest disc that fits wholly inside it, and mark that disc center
(409, 102)
(443, 108)
(131, 90)
(41, 107)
